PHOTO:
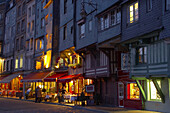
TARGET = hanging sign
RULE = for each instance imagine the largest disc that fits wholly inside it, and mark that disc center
(90, 88)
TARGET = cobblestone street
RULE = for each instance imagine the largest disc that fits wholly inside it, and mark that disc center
(20, 106)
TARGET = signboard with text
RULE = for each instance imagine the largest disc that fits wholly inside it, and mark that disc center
(90, 88)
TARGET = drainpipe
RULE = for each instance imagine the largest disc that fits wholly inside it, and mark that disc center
(74, 22)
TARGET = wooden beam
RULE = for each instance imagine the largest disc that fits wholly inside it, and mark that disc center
(141, 89)
(158, 89)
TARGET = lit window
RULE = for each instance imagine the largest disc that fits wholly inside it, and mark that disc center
(133, 91)
(38, 65)
(152, 92)
(47, 59)
(46, 19)
(42, 44)
(21, 61)
(142, 55)
(133, 13)
(16, 63)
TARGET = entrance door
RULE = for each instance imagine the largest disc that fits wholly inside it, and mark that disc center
(121, 94)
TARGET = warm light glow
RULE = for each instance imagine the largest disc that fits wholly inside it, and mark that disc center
(21, 61)
(69, 54)
(131, 14)
(38, 65)
(16, 63)
(56, 66)
(19, 75)
(72, 81)
(47, 59)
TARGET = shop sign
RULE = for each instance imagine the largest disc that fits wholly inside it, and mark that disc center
(90, 88)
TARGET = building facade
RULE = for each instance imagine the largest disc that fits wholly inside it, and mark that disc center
(2, 30)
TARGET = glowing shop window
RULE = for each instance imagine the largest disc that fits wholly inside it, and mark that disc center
(153, 93)
(38, 65)
(133, 91)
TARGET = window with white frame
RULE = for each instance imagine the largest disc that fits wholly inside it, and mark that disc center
(90, 25)
(153, 94)
(42, 22)
(133, 15)
(110, 19)
(82, 30)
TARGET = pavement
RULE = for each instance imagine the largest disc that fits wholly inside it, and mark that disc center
(14, 105)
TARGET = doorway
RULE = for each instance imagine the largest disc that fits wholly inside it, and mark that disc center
(121, 94)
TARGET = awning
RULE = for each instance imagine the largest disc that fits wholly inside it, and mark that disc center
(55, 76)
(35, 77)
(69, 77)
(9, 78)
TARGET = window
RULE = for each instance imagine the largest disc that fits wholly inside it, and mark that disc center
(37, 13)
(17, 44)
(82, 30)
(118, 16)
(1, 16)
(42, 44)
(18, 27)
(42, 22)
(65, 32)
(133, 91)
(38, 65)
(71, 29)
(109, 19)
(29, 11)
(32, 25)
(149, 5)
(19, 11)
(167, 4)
(90, 25)
(22, 43)
(31, 43)
(23, 8)
(133, 13)
(152, 91)
(11, 4)
(106, 21)
(65, 6)
(21, 61)
(142, 55)
(36, 42)
(23, 25)
(33, 9)
(29, 26)
(16, 63)
(27, 44)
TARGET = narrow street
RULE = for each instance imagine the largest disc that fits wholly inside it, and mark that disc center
(20, 106)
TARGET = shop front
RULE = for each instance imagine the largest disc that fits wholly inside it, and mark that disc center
(73, 87)
(129, 95)
(11, 84)
(34, 80)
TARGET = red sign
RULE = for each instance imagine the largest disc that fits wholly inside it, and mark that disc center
(90, 88)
